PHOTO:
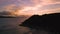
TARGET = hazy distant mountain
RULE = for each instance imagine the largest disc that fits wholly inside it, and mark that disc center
(4, 13)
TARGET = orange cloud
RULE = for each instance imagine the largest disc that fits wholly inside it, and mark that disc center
(48, 11)
(47, 2)
(9, 7)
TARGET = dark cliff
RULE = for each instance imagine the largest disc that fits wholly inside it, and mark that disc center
(50, 22)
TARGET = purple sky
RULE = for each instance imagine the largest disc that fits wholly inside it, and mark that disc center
(26, 2)
(45, 4)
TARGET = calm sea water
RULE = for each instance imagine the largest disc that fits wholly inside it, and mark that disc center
(11, 26)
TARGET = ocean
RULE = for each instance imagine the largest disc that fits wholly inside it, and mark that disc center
(11, 26)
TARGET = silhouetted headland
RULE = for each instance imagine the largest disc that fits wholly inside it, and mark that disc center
(49, 22)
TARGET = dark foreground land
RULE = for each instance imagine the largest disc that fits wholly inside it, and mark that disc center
(45, 24)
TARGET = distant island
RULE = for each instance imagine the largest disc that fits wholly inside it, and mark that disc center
(7, 16)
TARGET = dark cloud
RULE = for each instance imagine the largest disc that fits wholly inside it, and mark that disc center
(4, 13)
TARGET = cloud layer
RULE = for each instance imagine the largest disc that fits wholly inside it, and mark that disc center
(31, 6)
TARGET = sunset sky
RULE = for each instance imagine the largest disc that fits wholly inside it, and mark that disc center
(30, 7)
